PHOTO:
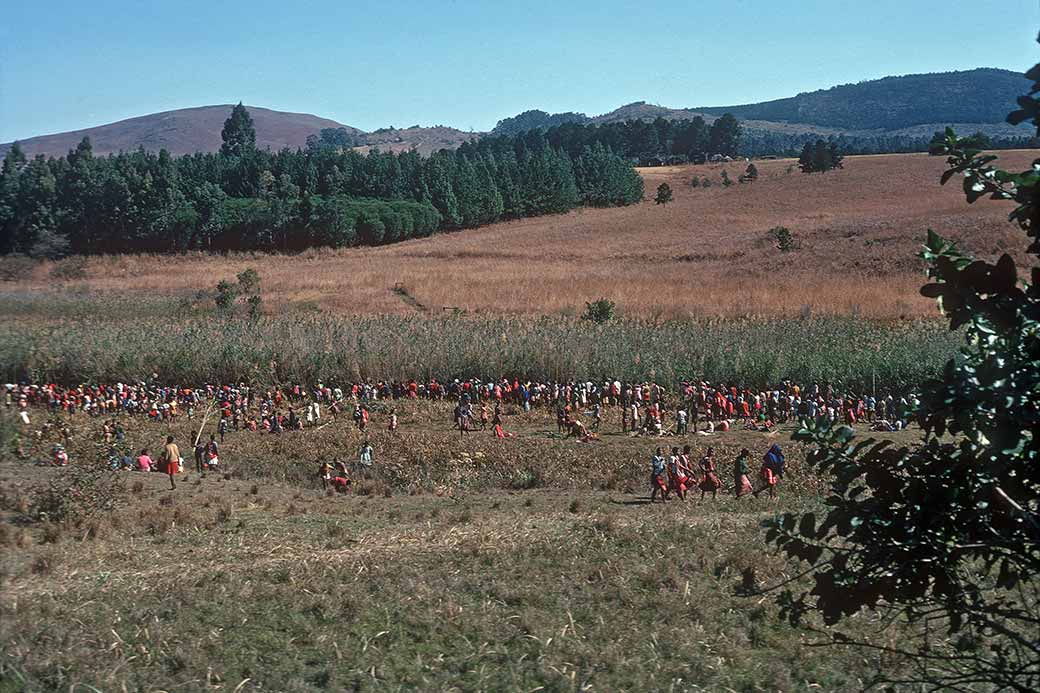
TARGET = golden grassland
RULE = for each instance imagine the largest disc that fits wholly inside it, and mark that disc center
(857, 232)
(475, 564)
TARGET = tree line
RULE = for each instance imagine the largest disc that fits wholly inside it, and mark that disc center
(762, 143)
(638, 141)
(244, 198)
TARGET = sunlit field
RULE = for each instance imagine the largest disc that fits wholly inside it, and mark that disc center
(856, 233)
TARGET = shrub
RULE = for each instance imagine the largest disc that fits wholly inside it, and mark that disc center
(695, 183)
(599, 311)
(750, 174)
(783, 238)
(227, 294)
(664, 194)
(50, 245)
(78, 493)
(726, 181)
(249, 281)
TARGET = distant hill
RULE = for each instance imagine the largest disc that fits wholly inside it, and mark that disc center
(190, 130)
(184, 131)
(423, 140)
(536, 120)
(983, 95)
(910, 105)
(641, 110)
(916, 105)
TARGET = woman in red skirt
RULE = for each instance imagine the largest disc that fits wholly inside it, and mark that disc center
(772, 470)
(658, 476)
(741, 482)
(677, 474)
(710, 481)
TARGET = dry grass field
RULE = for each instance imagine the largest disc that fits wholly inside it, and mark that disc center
(532, 563)
(708, 253)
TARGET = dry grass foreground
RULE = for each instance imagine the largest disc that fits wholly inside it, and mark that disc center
(857, 232)
(245, 583)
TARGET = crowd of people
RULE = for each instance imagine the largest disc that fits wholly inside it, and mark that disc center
(676, 474)
(641, 409)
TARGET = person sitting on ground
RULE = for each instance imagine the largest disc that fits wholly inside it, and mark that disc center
(580, 431)
(144, 462)
(341, 482)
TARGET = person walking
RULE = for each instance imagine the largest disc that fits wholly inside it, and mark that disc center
(171, 459)
(658, 476)
(741, 482)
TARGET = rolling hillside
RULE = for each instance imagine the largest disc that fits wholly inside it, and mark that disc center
(857, 233)
(983, 95)
(190, 130)
(913, 105)
(184, 131)
(905, 105)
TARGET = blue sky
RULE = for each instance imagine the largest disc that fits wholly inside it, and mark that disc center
(71, 64)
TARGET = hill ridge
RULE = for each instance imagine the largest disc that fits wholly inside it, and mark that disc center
(975, 99)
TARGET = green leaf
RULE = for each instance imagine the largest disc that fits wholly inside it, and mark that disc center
(808, 525)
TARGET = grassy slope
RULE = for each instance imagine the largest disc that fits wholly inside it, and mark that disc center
(461, 584)
(857, 231)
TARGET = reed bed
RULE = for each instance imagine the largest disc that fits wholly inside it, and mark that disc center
(847, 352)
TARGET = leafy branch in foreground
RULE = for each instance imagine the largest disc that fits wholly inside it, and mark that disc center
(945, 535)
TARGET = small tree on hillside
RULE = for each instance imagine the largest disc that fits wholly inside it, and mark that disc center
(664, 194)
(820, 157)
(247, 287)
(782, 237)
(835, 155)
(750, 174)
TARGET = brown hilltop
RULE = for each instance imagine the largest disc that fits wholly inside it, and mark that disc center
(184, 131)
(190, 130)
